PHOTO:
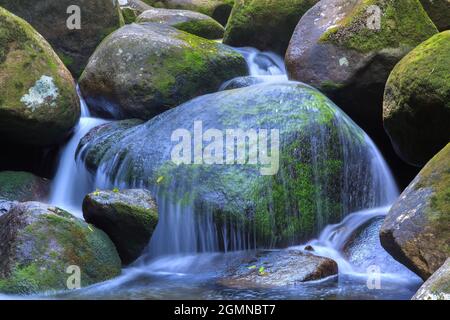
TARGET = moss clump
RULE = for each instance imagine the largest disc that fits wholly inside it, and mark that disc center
(404, 23)
(22, 186)
(208, 29)
(265, 24)
(129, 15)
(417, 101)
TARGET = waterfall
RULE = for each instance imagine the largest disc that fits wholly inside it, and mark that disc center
(72, 181)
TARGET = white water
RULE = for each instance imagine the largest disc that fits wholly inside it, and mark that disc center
(72, 181)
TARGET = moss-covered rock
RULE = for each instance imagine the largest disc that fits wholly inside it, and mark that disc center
(340, 48)
(38, 101)
(265, 24)
(38, 244)
(144, 69)
(74, 46)
(128, 217)
(132, 10)
(321, 150)
(437, 287)
(417, 101)
(219, 10)
(23, 186)
(416, 231)
(439, 12)
(192, 22)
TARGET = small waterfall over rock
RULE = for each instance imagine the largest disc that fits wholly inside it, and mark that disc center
(72, 181)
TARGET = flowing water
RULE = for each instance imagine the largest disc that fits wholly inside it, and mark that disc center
(182, 262)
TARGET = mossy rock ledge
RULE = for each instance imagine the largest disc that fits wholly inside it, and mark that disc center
(305, 193)
(340, 48)
(189, 21)
(51, 19)
(144, 69)
(219, 10)
(265, 24)
(416, 232)
(39, 105)
(129, 217)
(40, 244)
(416, 108)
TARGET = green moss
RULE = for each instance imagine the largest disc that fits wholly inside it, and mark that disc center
(129, 15)
(206, 28)
(20, 186)
(404, 24)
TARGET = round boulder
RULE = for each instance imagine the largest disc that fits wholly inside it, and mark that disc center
(38, 101)
(41, 246)
(416, 109)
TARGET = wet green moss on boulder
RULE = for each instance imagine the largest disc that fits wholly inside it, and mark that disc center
(39, 243)
(23, 186)
(38, 101)
(142, 70)
(417, 101)
(303, 195)
(129, 217)
(265, 24)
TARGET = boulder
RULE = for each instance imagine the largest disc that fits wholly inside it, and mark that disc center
(271, 269)
(339, 48)
(23, 186)
(285, 200)
(439, 12)
(142, 70)
(132, 9)
(437, 287)
(38, 101)
(219, 10)
(416, 109)
(51, 18)
(41, 246)
(416, 232)
(265, 24)
(128, 217)
(189, 21)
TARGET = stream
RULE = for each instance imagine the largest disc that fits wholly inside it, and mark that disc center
(170, 268)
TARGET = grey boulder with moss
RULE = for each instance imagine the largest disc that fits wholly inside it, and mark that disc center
(439, 12)
(142, 70)
(416, 109)
(39, 105)
(129, 217)
(339, 48)
(276, 198)
(40, 243)
(133, 9)
(56, 20)
(265, 24)
(23, 186)
(219, 10)
(416, 232)
(437, 287)
(189, 21)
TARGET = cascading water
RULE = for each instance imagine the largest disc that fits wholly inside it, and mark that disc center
(182, 259)
(72, 181)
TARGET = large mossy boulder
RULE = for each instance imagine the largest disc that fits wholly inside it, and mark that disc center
(265, 24)
(189, 21)
(98, 18)
(437, 287)
(347, 49)
(315, 180)
(38, 101)
(128, 217)
(23, 186)
(41, 246)
(439, 12)
(416, 110)
(142, 70)
(416, 232)
(219, 10)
